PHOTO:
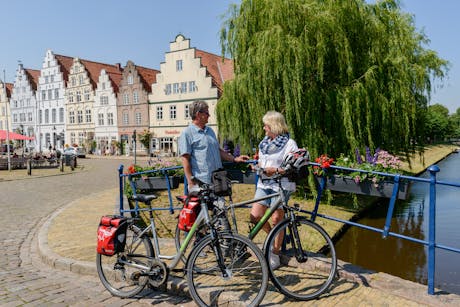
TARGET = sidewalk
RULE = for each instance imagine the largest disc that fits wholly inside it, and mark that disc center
(67, 241)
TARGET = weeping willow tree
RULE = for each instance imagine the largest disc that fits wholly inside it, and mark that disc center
(346, 74)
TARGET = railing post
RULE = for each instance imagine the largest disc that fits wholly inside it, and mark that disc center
(394, 196)
(432, 229)
(120, 186)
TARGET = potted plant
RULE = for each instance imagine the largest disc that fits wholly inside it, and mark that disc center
(362, 179)
(153, 177)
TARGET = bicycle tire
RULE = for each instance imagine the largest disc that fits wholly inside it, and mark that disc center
(123, 280)
(302, 276)
(247, 282)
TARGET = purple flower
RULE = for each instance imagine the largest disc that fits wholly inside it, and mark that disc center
(369, 156)
(236, 151)
(358, 156)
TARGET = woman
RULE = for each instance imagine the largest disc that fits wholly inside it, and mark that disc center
(272, 149)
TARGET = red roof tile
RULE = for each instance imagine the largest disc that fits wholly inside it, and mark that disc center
(148, 77)
(220, 69)
(94, 70)
(32, 75)
(9, 89)
(115, 78)
(66, 63)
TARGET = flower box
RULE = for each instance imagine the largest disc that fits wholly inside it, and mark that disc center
(367, 187)
(157, 183)
(242, 177)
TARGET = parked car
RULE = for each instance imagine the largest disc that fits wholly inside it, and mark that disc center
(76, 151)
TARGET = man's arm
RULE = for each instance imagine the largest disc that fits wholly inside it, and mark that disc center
(187, 168)
(229, 157)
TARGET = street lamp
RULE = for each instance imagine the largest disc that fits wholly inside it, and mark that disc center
(54, 137)
(134, 145)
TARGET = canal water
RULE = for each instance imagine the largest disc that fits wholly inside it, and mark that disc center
(404, 258)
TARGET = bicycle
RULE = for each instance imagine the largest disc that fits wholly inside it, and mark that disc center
(308, 258)
(222, 268)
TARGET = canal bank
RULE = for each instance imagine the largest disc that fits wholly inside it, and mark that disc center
(404, 258)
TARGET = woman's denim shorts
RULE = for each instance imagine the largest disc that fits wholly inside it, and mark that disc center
(267, 202)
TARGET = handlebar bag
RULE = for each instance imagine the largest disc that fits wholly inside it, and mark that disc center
(111, 235)
(189, 212)
(221, 183)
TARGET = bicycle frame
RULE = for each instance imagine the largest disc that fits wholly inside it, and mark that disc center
(202, 218)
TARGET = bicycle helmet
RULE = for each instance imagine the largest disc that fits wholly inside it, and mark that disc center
(295, 160)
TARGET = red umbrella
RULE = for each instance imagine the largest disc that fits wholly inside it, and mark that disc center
(14, 136)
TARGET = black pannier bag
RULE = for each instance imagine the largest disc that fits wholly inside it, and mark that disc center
(221, 183)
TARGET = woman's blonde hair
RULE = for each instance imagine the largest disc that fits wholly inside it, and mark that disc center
(276, 122)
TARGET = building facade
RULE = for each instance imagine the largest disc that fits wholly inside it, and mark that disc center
(23, 104)
(188, 74)
(132, 105)
(5, 96)
(50, 99)
(105, 112)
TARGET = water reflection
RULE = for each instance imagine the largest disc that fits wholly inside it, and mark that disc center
(407, 259)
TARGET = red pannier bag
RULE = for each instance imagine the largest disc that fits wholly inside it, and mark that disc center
(188, 214)
(111, 234)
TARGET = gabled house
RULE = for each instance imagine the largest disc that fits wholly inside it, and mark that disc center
(105, 112)
(132, 102)
(188, 74)
(5, 114)
(79, 103)
(23, 104)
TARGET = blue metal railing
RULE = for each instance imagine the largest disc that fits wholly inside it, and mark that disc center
(395, 178)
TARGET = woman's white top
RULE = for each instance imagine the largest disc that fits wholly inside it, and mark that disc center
(275, 160)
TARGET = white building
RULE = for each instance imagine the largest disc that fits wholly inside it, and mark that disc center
(23, 105)
(105, 112)
(5, 95)
(188, 74)
(50, 98)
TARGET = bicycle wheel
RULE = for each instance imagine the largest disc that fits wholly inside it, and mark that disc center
(119, 273)
(246, 269)
(308, 262)
(179, 239)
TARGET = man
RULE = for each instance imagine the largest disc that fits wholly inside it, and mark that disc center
(199, 148)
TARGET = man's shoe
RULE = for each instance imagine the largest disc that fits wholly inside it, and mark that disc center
(274, 261)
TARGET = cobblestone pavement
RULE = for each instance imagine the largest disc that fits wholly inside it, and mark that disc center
(65, 208)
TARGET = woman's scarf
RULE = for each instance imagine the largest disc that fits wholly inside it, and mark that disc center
(268, 146)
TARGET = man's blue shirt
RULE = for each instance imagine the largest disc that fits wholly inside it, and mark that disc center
(204, 151)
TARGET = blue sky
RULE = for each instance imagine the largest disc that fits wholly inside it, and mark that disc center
(115, 31)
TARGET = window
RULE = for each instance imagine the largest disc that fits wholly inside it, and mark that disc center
(192, 86)
(29, 116)
(179, 65)
(175, 88)
(52, 78)
(172, 112)
(88, 115)
(56, 93)
(130, 79)
(47, 116)
(72, 117)
(70, 96)
(46, 79)
(74, 81)
(61, 115)
(78, 96)
(87, 95)
(187, 111)
(15, 104)
(125, 118)
(80, 79)
(79, 116)
(138, 118)
(125, 98)
(104, 100)
(183, 87)
(110, 118)
(159, 113)
(40, 116)
(50, 94)
(103, 85)
(100, 119)
(15, 118)
(43, 95)
(72, 137)
(168, 89)
(135, 97)
(53, 116)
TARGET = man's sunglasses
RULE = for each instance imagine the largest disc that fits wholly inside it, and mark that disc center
(204, 112)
